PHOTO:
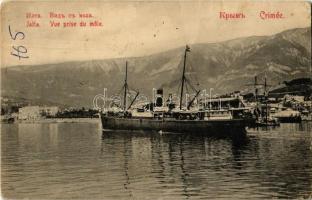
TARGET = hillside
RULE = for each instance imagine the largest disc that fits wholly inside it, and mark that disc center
(225, 66)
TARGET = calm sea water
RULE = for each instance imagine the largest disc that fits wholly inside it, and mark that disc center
(75, 160)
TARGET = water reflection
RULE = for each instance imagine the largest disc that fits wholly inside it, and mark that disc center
(52, 161)
(186, 160)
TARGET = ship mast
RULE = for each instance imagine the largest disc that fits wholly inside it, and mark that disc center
(125, 88)
(187, 48)
(266, 100)
(256, 89)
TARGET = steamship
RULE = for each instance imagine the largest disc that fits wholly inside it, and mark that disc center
(221, 117)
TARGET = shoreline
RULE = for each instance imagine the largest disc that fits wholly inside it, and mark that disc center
(60, 120)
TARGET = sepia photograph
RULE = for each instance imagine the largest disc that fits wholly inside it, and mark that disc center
(165, 99)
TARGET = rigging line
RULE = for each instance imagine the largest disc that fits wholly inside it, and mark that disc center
(193, 99)
(132, 102)
(136, 90)
(189, 83)
(129, 89)
(119, 92)
(193, 73)
(186, 88)
(179, 88)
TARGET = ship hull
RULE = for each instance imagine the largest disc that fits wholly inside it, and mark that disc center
(231, 127)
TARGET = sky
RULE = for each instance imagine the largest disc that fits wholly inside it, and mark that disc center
(134, 28)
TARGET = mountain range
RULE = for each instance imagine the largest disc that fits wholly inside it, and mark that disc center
(225, 66)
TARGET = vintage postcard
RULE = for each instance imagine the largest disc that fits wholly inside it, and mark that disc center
(168, 99)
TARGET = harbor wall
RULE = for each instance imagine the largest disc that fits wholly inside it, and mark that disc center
(62, 120)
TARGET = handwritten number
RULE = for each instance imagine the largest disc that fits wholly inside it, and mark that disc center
(16, 34)
(19, 50)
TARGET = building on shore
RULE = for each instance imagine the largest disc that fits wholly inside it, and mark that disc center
(36, 112)
(29, 113)
(49, 110)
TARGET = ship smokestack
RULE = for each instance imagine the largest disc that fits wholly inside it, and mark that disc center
(159, 98)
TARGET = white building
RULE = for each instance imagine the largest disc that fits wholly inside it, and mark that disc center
(36, 112)
(29, 113)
